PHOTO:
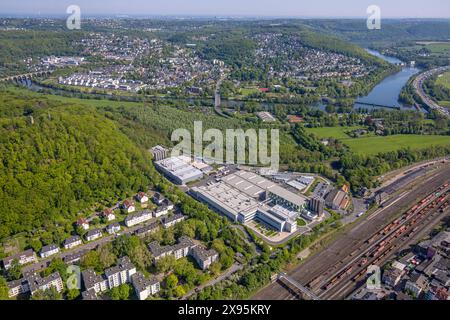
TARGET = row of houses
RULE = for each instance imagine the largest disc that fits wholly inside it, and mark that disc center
(145, 215)
(29, 256)
(123, 273)
(185, 247)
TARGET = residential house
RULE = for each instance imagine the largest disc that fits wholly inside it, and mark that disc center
(22, 258)
(83, 223)
(179, 250)
(113, 228)
(164, 208)
(168, 222)
(49, 250)
(33, 282)
(17, 287)
(93, 235)
(337, 199)
(75, 257)
(142, 197)
(158, 198)
(416, 284)
(128, 206)
(144, 231)
(392, 276)
(93, 282)
(108, 215)
(72, 242)
(89, 295)
(113, 277)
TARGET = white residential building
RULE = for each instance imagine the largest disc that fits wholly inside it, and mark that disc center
(179, 250)
(49, 250)
(31, 283)
(113, 228)
(72, 242)
(25, 257)
(138, 218)
(168, 222)
(203, 257)
(128, 206)
(108, 215)
(143, 287)
(142, 197)
(163, 209)
(121, 273)
(93, 235)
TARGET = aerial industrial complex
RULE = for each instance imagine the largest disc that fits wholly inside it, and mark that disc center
(244, 196)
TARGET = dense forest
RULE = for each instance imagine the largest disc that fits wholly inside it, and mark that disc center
(59, 159)
(19, 45)
(356, 30)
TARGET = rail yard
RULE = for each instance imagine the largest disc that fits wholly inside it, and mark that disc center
(341, 267)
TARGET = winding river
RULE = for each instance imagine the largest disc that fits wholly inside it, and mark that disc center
(387, 92)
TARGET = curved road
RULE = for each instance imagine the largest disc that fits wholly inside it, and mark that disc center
(418, 86)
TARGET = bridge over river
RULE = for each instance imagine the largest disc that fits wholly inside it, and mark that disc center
(375, 105)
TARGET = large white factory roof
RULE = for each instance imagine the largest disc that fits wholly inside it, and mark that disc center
(288, 195)
(229, 198)
(180, 167)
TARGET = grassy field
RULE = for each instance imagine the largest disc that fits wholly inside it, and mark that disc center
(444, 80)
(248, 91)
(377, 144)
(436, 47)
(439, 48)
(445, 104)
(374, 145)
(332, 132)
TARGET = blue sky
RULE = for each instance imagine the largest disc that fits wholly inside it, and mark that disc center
(299, 8)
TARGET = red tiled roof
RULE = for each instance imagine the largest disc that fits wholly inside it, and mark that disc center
(295, 119)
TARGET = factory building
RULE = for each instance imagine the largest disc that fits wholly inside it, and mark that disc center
(245, 196)
(316, 205)
(179, 169)
(159, 153)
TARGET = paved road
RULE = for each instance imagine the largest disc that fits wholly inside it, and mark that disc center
(217, 98)
(418, 85)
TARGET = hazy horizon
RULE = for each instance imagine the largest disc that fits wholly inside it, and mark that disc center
(438, 9)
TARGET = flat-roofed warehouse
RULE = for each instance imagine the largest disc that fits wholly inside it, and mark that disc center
(179, 169)
(225, 199)
(244, 196)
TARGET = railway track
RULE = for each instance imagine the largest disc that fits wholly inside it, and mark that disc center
(321, 267)
(346, 288)
(381, 245)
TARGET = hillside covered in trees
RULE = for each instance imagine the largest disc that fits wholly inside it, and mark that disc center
(59, 159)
